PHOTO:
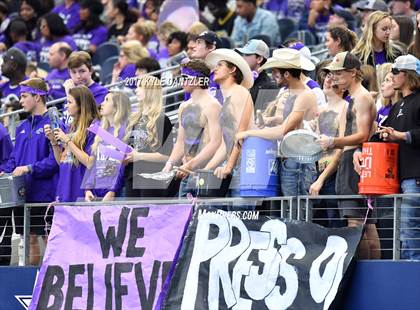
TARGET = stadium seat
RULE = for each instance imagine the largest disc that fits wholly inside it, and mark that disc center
(44, 66)
(106, 69)
(286, 26)
(226, 42)
(305, 36)
(264, 38)
(105, 51)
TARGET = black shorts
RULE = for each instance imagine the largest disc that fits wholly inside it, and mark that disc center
(38, 220)
(347, 183)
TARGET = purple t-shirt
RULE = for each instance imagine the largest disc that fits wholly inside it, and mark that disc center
(71, 176)
(382, 113)
(127, 72)
(46, 44)
(30, 49)
(55, 80)
(69, 15)
(380, 57)
(107, 174)
(99, 92)
(95, 37)
(9, 93)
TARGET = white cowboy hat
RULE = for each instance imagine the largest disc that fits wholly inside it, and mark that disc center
(233, 57)
(288, 58)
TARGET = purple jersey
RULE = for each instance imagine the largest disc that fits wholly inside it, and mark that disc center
(107, 174)
(95, 37)
(69, 15)
(71, 175)
(33, 148)
(9, 93)
(129, 71)
(99, 92)
(382, 113)
(55, 80)
(30, 49)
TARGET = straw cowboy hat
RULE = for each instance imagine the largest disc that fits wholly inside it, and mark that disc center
(288, 58)
(233, 57)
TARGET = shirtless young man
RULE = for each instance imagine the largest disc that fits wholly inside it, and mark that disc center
(234, 76)
(199, 132)
(359, 126)
(300, 105)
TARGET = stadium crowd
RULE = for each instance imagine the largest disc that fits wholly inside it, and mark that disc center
(349, 71)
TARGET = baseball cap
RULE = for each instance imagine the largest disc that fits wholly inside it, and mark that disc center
(371, 5)
(303, 50)
(254, 46)
(210, 37)
(16, 55)
(406, 62)
(344, 61)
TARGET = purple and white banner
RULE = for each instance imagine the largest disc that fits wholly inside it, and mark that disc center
(109, 257)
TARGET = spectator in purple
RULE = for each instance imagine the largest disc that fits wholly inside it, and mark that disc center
(316, 19)
(91, 32)
(121, 17)
(53, 30)
(18, 34)
(374, 47)
(80, 69)
(58, 61)
(388, 96)
(105, 177)
(13, 68)
(143, 31)
(131, 52)
(30, 10)
(76, 143)
(69, 12)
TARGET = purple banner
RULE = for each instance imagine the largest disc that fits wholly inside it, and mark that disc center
(109, 257)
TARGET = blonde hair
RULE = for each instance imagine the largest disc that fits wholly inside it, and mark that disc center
(134, 51)
(166, 29)
(381, 72)
(145, 28)
(364, 47)
(150, 108)
(122, 106)
(197, 28)
(88, 112)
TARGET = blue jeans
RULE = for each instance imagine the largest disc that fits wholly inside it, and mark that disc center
(410, 220)
(296, 178)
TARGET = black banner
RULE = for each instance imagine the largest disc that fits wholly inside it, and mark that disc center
(240, 261)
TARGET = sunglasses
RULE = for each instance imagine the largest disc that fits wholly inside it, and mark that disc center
(396, 71)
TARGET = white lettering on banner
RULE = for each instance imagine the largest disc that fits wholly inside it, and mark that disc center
(324, 288)
(235, 241)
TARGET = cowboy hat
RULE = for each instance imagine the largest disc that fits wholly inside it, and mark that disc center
(233, 57)
(288, 58)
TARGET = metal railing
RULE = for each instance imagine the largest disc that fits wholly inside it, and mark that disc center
(304, 208)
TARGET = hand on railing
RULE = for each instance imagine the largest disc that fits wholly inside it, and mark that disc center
(89, 196)
(315, 188)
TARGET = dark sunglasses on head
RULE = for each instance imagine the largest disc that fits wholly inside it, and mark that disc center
(396, 71)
